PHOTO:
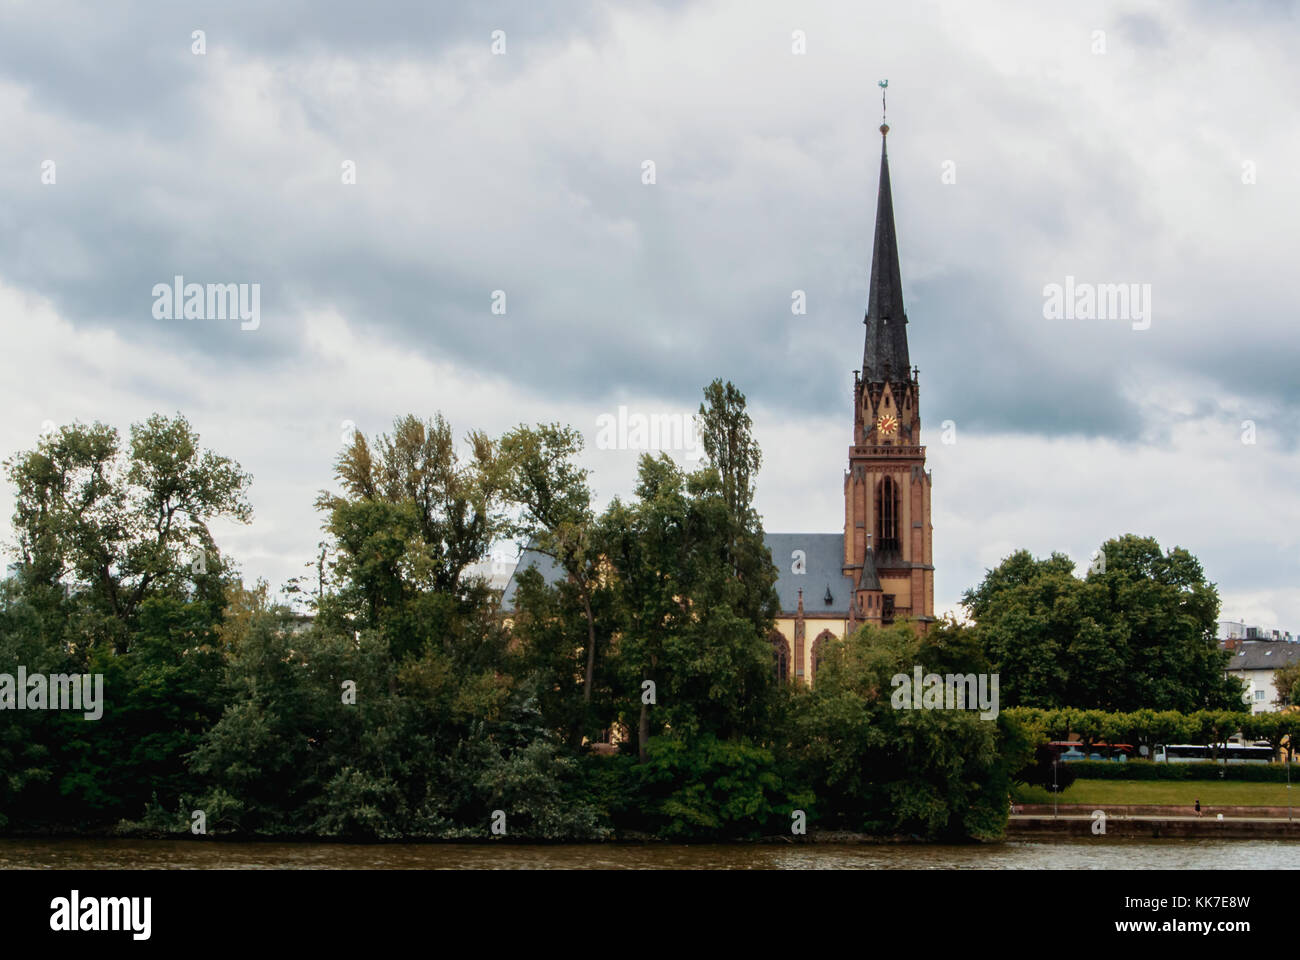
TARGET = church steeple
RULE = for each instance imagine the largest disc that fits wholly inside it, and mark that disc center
(888, 535)
(885, 357)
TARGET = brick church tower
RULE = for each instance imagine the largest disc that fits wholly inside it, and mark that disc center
(887, 533)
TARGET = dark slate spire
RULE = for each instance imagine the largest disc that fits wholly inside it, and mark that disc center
(869, 579)
(885, 355)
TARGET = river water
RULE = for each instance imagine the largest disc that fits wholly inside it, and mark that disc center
(1082, 854)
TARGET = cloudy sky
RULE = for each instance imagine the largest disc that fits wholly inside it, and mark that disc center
(1142, 142)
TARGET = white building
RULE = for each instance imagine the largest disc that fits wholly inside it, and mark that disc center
(1255, 662)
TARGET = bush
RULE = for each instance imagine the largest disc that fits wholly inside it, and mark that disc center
(706, 787)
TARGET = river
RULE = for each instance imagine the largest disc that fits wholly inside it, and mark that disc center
(1083, 854)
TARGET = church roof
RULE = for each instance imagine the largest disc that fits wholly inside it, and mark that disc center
(823, 564)
(885, 355)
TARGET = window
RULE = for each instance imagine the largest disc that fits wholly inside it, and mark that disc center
(819, 651)
(887, 515)
(887, 612)
(1259, 694)
(780, 656)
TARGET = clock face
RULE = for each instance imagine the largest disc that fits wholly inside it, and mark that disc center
(886, 424)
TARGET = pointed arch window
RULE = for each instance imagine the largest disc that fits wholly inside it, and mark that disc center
(780, 656)
(887, 515)
(819, 649)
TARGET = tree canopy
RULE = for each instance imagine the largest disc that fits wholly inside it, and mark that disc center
(1137, 631)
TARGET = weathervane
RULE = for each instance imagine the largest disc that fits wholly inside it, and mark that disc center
(884, 85)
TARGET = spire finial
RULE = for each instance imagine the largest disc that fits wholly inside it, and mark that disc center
(884, 86)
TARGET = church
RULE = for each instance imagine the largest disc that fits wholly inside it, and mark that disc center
(880, 568)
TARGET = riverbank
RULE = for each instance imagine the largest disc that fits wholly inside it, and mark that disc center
(1151, 826)
(1050, 852)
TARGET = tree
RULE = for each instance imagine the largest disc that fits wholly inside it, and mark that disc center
(411, 518)
(1029, 616)
(422, 746)
(1137, 632)
(557, 519)
(118, 576)
(932, 772)
(1165, 616)
(1285, 681)
(726, 433)
(123, 529)
(694, 599)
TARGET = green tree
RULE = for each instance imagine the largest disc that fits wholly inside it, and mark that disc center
(1137, 632)
(412, 517)
(934, 772)
(1285, 681)
(119, 527)
(687, 618)
(117, 576)
(726, 433)
(556, 519)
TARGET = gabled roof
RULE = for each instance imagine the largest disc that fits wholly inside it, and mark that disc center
(1263, 655)
(822, 562)
(551, 572)
(823, 565)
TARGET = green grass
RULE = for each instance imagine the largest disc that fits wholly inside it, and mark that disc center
(1174, 793)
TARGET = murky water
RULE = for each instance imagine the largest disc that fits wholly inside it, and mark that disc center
(1081, 854)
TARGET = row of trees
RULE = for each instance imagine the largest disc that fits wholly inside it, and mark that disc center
(1146, 728)
(407, 706)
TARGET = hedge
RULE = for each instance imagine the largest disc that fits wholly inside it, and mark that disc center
(1205, 770)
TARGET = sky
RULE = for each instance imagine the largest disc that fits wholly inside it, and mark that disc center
(544, 211)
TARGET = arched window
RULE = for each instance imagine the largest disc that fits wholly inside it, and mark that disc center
(819, 651)
(780, 656)
(887, 515)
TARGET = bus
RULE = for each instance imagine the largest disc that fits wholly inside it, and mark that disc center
(1227, 753)
(1067, 751)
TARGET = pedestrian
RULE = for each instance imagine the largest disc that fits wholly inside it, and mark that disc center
(1198, 806)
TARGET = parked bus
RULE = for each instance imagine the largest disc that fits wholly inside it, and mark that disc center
(1069, 750)
(1227, 753)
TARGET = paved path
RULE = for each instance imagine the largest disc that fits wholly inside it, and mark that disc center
(1126, 816)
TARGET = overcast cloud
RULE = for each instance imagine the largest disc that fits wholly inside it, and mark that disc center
(522, 172)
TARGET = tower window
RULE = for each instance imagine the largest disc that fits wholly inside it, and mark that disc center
(887, 515)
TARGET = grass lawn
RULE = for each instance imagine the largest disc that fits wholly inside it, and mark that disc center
(1169, 792)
